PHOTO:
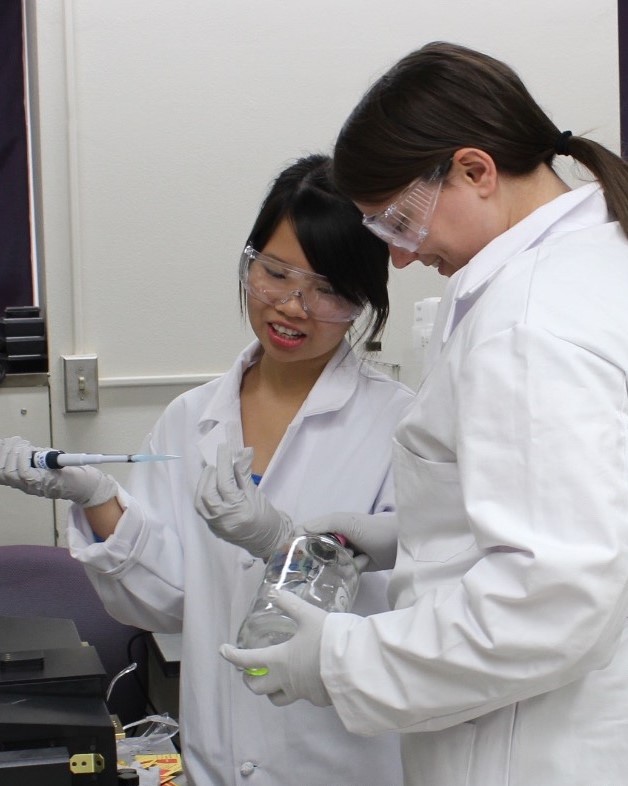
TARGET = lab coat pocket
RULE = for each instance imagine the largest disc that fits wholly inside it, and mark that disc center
(433, 523)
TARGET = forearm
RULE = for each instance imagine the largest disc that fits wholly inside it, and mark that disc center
(103, 519)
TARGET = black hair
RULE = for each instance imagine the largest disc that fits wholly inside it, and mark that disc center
(329, 229)
(444, 97)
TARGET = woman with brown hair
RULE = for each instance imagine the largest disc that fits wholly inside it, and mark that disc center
(505, 659)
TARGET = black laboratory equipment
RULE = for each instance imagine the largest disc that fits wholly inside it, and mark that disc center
(55, 728)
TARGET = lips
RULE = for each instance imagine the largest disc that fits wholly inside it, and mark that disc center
(286, 331)
(284, 336)
(432, 261)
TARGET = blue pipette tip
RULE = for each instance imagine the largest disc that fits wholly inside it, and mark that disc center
(138, 457)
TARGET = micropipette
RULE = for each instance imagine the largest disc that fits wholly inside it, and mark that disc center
(57, 459)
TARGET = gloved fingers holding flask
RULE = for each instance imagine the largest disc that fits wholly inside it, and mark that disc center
(373, 537)
(292, 667)
(86, 486)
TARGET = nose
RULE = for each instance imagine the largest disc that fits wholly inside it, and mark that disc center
(399, 257)
(293, 304)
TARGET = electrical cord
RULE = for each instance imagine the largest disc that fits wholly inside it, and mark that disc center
(143, 637)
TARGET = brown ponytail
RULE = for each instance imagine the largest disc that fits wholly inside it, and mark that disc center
(443, 97)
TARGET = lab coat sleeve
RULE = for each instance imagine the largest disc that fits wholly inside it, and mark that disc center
(541, 451)
(138, 571)
(132, 570)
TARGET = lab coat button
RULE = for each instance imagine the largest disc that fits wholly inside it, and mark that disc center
(249, 562)
(247, 768)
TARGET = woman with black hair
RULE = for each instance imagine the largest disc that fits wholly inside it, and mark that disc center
(305, 419)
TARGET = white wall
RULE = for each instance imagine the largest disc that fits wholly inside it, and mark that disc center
(158, 126)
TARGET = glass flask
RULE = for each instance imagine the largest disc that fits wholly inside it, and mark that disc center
(317, 568)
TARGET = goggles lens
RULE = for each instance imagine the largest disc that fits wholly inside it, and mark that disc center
(273, 282)
(405, 223)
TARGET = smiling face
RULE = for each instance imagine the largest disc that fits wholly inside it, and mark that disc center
(469, 213)
(286, 331)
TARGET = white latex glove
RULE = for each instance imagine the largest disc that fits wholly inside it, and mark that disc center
(294, 666)
(235, 509)
(86, 486)
(371, 535)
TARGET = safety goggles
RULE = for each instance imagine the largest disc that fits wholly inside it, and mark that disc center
(275, 283)
(405, 222)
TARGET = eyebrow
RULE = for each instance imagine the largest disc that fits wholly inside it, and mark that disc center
(292, 267)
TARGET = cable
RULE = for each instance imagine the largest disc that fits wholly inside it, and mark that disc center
(142, 686)
(143, 636)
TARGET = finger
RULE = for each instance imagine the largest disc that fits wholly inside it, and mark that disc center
(260, 686)
(206, 494)
(321, 525)
(280, 699)
(8, 448)
(292, 604)
(256, 677)
(242, 468)
(225, 479)
(5, 449)
(24, 457)
(19, 459)
(233, 436)
(241, 658)
(6, 455)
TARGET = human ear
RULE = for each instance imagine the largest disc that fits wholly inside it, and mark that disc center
(477, 169)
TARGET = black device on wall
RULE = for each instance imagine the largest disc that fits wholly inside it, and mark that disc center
(23, 347)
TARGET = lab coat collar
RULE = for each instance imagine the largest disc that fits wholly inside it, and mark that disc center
(332, 390)
(336, 384)
(584, 206)
(225, 404)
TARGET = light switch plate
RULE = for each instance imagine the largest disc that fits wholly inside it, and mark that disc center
(80, 374)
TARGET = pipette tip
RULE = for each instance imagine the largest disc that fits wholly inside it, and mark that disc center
(137, 457)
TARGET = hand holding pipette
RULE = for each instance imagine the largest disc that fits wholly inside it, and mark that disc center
(78, 482)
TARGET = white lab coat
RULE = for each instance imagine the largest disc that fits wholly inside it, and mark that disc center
(505, 659)
(164, 570)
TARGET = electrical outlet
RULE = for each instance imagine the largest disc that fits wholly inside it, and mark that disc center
(80, 374)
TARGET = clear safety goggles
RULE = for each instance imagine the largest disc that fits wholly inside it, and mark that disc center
(405, 222)
(275, 283)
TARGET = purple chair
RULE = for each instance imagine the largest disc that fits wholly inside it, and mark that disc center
(45, 581)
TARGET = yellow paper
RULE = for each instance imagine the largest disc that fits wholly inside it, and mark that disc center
(169, 764)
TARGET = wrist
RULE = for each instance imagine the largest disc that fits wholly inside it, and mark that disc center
(276, 537)
(104, 489)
